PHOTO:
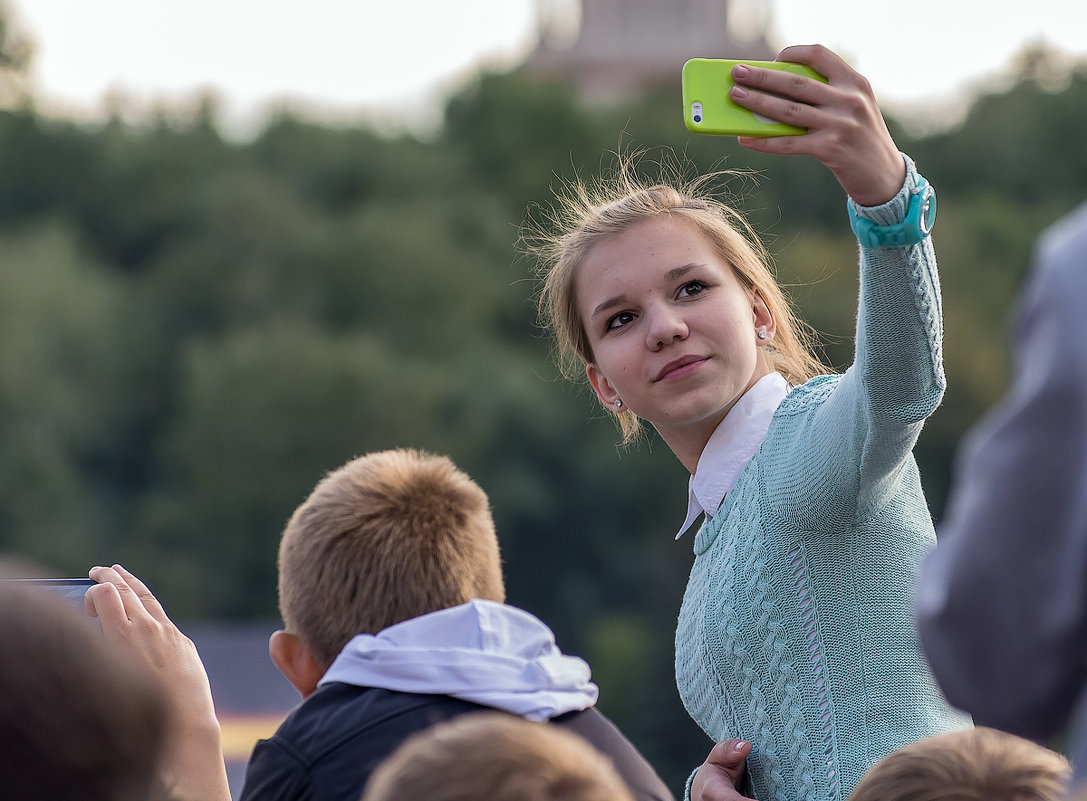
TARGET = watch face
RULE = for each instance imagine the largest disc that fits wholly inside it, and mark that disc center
(928, 210)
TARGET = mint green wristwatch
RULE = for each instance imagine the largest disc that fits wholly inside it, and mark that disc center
(920, 215)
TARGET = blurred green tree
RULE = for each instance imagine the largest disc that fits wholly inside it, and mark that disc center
(62, 370)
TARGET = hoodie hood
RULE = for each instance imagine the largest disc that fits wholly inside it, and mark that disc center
(485, 652)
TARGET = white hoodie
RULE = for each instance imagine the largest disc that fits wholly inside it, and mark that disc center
(485, 652)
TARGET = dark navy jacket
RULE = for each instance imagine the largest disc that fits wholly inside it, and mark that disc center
(328, 746)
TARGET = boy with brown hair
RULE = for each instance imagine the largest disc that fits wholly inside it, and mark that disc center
(388, 537)
(492, 757)
(392, 597)
(979, 764)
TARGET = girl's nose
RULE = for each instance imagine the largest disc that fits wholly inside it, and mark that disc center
(666, 326)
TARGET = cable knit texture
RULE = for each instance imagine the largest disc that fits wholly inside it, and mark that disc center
(796, 630)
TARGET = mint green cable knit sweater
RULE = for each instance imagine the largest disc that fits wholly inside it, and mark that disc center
(796, 631)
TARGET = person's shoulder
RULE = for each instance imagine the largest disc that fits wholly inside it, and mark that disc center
(274, 773)
(1062, 248)
(1069, 230)
(337, 736)
(590, 723)
(1057, 284)
(808, 395)
(340, 711)
(636, 771)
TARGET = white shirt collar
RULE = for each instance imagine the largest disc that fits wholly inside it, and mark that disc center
(731, 447)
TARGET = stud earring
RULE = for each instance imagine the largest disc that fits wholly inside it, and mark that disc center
(618, 403)
(762, 335)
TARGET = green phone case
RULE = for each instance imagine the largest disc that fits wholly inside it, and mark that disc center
(708, 110)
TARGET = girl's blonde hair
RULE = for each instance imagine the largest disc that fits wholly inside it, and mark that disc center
(586, 213)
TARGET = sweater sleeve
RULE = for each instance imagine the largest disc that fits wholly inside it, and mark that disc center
(863, 433)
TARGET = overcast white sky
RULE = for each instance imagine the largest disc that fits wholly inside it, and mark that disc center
(349, 57)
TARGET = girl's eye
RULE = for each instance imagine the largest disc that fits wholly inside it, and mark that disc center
(691, 288)
(618, 321)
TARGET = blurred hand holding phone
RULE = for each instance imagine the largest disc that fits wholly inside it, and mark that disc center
(707, 108)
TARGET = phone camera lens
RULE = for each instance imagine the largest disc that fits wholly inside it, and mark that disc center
(698, 118)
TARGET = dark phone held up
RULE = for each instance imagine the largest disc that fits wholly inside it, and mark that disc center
(70, 590)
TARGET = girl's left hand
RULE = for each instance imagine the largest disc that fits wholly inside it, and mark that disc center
(846, 130)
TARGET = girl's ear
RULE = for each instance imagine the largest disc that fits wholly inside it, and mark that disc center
(763, 318)
(603, 389)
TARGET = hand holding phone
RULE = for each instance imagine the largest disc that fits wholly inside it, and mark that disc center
(707, 108)
(138, 629)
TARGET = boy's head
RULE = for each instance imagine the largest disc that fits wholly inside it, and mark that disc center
(76, 721)
(387, 537)
(978, 764)
(489, 756)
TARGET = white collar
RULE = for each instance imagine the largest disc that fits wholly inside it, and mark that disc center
(731, 447)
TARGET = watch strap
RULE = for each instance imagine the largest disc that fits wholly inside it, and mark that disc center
(917, 224)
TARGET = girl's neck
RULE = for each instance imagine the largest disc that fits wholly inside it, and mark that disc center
(688, 442)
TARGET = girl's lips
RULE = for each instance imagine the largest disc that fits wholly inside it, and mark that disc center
(679, 368)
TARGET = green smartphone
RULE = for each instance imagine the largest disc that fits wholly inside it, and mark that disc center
(708, 110)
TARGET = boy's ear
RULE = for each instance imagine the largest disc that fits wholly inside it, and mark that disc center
(295, 661)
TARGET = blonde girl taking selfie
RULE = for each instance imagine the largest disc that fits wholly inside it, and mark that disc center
(796, 630)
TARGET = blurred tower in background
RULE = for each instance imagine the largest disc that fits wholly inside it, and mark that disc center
(612, 49)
